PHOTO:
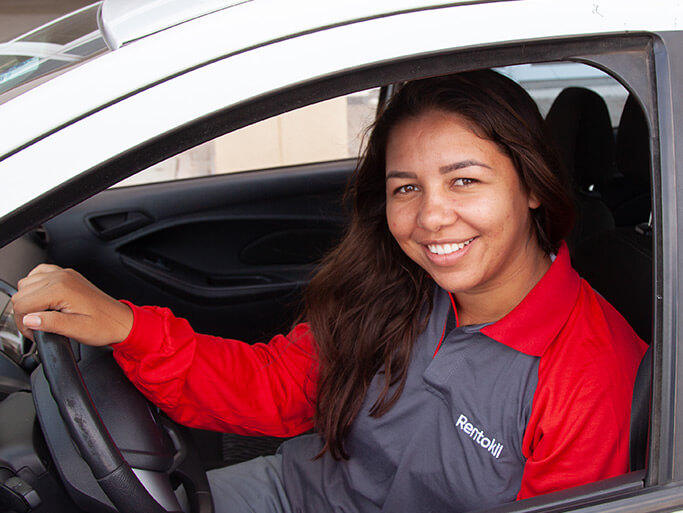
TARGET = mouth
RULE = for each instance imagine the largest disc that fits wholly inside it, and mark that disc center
(448, 249)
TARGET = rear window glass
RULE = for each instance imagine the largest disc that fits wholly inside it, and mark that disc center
(67, 29)
(55, 46)
(545, 81)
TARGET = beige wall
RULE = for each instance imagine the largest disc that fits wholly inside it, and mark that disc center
(313, 134)
(329, 130)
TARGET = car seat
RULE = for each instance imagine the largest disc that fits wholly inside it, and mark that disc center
(640, 414)
(579, 123)
(628, 196)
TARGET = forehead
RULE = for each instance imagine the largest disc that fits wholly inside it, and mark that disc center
(436, 128)
(443, 119)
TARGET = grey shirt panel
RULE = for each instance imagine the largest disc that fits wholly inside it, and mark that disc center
(452, 442)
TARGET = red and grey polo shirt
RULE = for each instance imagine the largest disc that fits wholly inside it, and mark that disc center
(535, 402)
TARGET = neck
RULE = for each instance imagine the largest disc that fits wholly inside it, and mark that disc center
(496, 302)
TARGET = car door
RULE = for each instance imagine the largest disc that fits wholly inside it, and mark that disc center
(230, 253)
(138, 237)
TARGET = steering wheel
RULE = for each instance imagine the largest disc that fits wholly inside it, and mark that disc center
(87, 430)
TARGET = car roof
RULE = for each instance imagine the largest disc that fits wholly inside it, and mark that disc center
(124, 21)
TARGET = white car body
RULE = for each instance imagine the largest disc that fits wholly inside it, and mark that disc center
(207, 67)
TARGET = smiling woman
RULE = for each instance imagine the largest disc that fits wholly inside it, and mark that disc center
(457, 174)
(460, 186)
(462, 214)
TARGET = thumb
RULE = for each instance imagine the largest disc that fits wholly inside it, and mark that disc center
(45, 321)
(32, 321)
(60, 323)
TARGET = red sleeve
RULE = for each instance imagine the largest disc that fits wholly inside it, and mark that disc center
(578, 431)
(221, 384)
(576, 444)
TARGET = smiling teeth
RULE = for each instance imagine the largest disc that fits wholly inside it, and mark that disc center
(447, 249)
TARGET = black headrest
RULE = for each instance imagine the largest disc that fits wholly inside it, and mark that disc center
(579, 122)
(633, 145)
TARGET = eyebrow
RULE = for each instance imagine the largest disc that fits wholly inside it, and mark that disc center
(460, 165)
(400, 174)
(443, 169)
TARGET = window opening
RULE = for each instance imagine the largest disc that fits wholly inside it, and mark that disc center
(325, 131)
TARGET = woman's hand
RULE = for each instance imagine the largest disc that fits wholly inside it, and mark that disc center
(62, 301)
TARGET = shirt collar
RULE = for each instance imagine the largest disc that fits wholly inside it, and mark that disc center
(535, 322)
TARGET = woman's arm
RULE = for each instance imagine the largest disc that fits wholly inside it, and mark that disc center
(221, 384)
(198, 380)
(578, 431)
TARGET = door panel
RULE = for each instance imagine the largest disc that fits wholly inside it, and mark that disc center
(231, 253)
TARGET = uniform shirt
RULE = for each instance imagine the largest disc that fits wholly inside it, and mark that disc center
(453, 442)
(535, 402)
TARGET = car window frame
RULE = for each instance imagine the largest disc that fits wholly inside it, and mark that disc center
(667, 154)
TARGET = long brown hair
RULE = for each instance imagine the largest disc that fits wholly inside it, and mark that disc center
(369, 301)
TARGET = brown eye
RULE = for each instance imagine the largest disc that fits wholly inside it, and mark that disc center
(405, 189)
(463, 182)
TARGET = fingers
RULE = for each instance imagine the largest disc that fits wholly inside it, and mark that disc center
(44, 268)
(62, 301)
(39, 274)
(41, 290)
(52, 322)
(27, 300)
(83, 328)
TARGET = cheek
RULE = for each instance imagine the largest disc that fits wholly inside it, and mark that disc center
(394, 225)
(513, 220)
(499, 210)
(484, 214)
(399, 221)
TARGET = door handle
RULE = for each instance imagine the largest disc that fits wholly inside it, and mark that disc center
(111, 225)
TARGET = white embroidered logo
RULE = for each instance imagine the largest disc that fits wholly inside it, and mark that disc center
(476, 434)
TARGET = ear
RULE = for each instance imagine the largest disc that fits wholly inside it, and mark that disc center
(533, 201)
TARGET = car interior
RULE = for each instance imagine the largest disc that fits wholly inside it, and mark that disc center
(232, 252)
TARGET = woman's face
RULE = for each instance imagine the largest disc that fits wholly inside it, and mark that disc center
(456, 206)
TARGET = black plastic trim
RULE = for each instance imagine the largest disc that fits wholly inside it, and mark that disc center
(621, 486)
(668, 197)
(117, 223)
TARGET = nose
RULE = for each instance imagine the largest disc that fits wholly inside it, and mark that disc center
(435, 212)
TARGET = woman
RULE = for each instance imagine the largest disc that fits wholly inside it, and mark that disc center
(451, 358)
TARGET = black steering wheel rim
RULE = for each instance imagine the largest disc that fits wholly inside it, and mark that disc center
(110, 469)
